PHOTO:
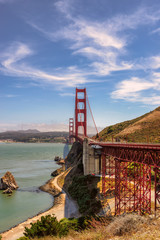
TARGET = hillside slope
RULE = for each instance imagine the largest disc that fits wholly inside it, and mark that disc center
(145, 128)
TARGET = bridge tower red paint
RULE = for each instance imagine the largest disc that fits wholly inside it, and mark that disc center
(80, 112)
(71, 130)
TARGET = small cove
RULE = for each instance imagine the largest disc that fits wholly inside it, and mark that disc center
(31, 165)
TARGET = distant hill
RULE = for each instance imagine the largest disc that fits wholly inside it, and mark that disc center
(142, 129)
(29, 131)
(22, 131)
(33, 135)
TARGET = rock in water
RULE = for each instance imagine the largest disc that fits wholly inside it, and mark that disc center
(8, 191)
(8, 182)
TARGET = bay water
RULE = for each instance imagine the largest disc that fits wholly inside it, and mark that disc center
(31, 164)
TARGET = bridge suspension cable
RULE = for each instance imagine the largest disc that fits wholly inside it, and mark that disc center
(92, 115)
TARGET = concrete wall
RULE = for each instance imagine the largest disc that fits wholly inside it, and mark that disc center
(90, 159)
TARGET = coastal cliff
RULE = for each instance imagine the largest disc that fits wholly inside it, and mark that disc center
(74, 162)
(82, 188)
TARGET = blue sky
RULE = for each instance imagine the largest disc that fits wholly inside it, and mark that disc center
(47, 48)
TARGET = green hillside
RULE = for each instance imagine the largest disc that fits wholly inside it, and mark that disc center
(145, 128)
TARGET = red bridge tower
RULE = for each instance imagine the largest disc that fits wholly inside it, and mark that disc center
(71, 130)
(80, 112)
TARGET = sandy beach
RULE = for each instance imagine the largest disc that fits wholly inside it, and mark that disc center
(63, 207)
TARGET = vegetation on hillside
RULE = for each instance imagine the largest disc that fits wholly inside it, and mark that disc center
(84, 190)
(50, 226)
(145, 128)
(128, 226)
(81, 188)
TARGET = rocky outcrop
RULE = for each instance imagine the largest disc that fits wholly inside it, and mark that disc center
(8, 182)
(8, 191)
(56, 172)
(57, 158)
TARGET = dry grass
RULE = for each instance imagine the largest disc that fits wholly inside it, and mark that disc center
(128, 227)
(142, 129)
(155, 115)
(147, 231)
(126, 224)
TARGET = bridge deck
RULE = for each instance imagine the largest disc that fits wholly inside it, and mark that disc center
(131, 152)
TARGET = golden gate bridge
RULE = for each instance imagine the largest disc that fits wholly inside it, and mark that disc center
(126, 168)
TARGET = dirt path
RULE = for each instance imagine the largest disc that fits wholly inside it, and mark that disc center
(63, 207)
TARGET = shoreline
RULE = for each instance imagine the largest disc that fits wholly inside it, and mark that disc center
(40, 212)
(62, 207)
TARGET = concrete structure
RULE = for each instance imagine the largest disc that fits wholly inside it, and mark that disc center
(91, 159)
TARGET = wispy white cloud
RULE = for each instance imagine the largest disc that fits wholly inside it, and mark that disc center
(151, 100)
(157, 30)
(152, 62)
(93, 40)
(155, 62)
(143, 16)
(106, 68)
(89, 39)
(103, 43)
(105, 61)
(12, 63)
(64, 7)
(15, 53)
(133, 90)
(82, 31)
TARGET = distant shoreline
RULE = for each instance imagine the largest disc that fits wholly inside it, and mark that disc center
(34, 136)
(4, 141)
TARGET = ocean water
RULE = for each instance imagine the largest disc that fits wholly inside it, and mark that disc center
(31, 164)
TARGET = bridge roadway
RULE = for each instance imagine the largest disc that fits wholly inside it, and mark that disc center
(130, 152)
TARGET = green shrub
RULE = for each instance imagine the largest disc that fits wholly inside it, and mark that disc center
(110, 129)
(46, 226)
(0, 237)
(84, 222)
(49, 226)
(76, 224)
(70, 223)
(84, 193)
